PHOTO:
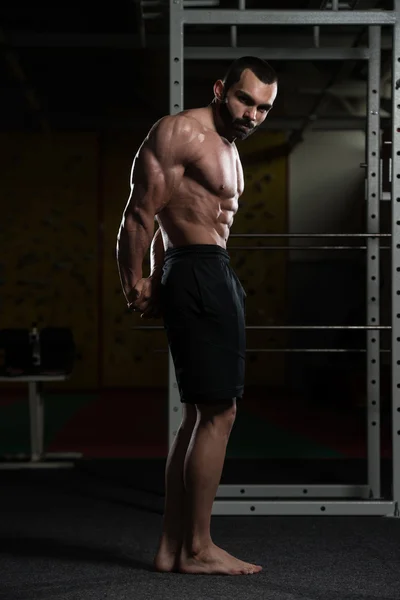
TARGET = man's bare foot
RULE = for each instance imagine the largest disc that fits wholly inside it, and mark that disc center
(167, 557)
(214, 561)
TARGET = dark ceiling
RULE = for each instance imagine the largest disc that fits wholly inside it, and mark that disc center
(85, 65)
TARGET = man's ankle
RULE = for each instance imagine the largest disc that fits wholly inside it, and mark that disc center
(196, 546)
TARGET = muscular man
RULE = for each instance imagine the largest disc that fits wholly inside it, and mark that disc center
(187, 175)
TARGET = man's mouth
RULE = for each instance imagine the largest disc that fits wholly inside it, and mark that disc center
(243, 126)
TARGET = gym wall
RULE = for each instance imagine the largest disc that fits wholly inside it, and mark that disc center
(327, 194)
(264, 209)
(62, 200)
(49, 230)
(326, 188)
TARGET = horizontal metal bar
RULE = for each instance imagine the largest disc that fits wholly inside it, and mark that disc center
(229, 53)
(287, 17)
(151, 3)
(147, 327)
(15, 465)
(297, 350)
(200, 3)
(68, 39)
(296, 491)
(329, 123)
(292, 327)
(304, 248)
(311, 235)
(312, 350)
(301, 507)
(34, 378)
(151, 16)
(318, 327)
(275, 39)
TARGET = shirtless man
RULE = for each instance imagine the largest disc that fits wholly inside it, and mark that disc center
(187, 175)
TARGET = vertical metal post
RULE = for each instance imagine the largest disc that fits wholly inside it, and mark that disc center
(176, 59)
(373, 271)
(316, 36)
(242, 6)
(40, 411)
(36, 416)
(176, 56)
(142, 24)
(396, 259)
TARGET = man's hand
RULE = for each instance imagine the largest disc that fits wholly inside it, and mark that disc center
(145, 298)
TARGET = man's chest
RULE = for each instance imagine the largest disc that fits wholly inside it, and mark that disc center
(218, 168)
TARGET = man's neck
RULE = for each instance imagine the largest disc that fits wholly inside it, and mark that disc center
(218, 122)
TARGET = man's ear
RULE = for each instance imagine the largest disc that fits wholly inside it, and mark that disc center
(219, 90)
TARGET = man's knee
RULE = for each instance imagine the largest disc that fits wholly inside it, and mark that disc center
(221, 413)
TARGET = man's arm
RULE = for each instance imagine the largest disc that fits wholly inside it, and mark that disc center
(157, 255)
(157, 173)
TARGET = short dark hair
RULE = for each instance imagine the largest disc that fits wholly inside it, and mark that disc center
(258, 66)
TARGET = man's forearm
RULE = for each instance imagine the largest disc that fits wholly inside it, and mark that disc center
(134, 239)
(157, 255)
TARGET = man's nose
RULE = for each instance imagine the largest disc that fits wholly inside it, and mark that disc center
(251, 113)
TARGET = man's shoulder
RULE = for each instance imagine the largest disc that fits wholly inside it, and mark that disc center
(182, 125)
(174, 135)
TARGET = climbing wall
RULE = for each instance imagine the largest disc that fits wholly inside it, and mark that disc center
(130, 357)
(263, 209)
(49, 226)
(61, 203)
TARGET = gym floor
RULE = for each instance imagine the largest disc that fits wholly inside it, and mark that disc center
(90, 533)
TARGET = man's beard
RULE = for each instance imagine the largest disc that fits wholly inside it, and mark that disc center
(239, 128)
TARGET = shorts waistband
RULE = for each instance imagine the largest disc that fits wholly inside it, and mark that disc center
(205, 250)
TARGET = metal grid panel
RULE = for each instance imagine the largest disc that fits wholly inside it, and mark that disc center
(396, 262)
(372, 258)
(293, 491)
(288, 17)
(220, 53)
(176, 105)
(300, 507)
(240, 506)
(176, 58)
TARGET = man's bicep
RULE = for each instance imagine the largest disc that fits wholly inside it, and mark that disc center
(153, 183)
(160, 165)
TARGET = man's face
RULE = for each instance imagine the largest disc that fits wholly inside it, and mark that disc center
(247, 104)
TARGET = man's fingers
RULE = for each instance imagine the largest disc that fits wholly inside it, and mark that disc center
(148, 314)
(145, 302)
(153, 312)
(141, 305)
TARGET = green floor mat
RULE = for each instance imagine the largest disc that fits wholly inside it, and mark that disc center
(254, 438)
(251, 436)
(14, 421)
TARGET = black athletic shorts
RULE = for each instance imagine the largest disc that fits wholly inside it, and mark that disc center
(204, 317)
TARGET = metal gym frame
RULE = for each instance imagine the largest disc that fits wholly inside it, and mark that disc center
(326, 499)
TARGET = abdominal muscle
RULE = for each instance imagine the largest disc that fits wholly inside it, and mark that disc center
(190, 222)
(185, 233)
